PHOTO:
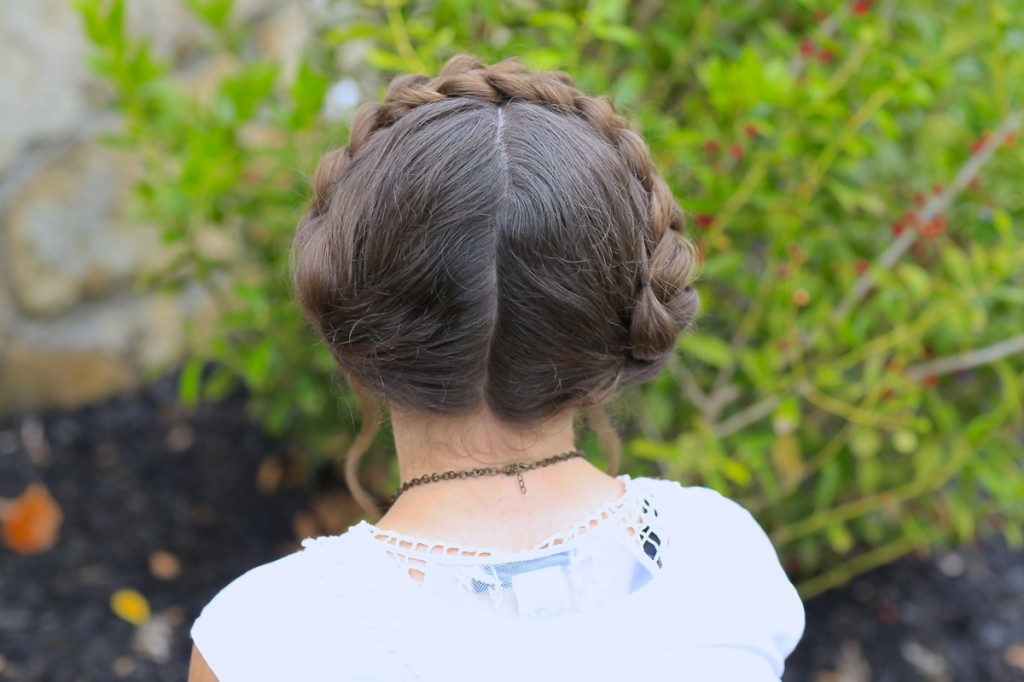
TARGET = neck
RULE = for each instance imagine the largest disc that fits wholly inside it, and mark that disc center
(429, 444)
(491, 511)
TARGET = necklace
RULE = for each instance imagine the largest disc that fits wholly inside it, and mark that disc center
(515, 469)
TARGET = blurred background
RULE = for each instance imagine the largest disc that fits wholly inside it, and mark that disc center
(852, 179)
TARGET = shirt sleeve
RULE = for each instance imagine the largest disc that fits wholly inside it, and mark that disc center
(243, 631)
(244, 619)
(745, 616)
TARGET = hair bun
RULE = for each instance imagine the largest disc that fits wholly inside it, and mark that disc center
(666, 303)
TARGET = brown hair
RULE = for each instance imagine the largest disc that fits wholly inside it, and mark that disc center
(494, 237)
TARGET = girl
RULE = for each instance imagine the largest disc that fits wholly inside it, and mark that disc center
(492, 254)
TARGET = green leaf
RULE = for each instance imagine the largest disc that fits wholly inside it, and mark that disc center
(115, 18)
(755, 365)
(827, 486)
(865, 442)
(839, 538)
(916, 279)
(735, 471)
(786, 419)
(1011, 384)
(904, 441)
(652, 450)
(383, 60)
(621, 35)
(307, 93)
(214, 12)
(958, 267)
(560, 21)
(607, 12)
(707, 349)
(190, 382)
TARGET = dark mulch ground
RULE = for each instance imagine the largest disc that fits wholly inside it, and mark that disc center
(139, 475)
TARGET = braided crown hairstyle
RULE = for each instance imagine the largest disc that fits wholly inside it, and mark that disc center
(492, 237)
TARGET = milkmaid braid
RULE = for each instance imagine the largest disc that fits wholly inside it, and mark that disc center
(520, 167)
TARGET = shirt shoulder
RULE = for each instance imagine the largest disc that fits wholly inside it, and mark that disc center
(299, 603)
(728, 575)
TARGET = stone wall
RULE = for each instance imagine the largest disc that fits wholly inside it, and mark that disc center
(75, 326)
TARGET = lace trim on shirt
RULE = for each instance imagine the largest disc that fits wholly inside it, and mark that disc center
(612, 552)
(633, 513)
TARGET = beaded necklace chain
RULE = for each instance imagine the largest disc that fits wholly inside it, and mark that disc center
(515, 469)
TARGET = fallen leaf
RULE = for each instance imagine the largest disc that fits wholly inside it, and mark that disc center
(269, 475)
(304, 526)
(129, 605)
(335, 512)
(31, 522)
(123, 666)
(1014, 655)
(164, 565)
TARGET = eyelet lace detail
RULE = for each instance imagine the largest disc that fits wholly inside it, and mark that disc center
(610, 553)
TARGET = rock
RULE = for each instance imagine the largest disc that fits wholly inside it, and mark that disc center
(200, 80)
(173, 32)
(283, 36)
(95, 351)
(930, 664)
(177, 34)
(67, 236)
(146, 330)
(161, 332)
(104, 346)
(45, 85)
(7, 312)
(32, 377)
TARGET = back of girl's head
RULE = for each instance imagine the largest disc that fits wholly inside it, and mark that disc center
(494, 238)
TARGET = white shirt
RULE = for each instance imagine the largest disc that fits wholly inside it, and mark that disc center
(666, 583)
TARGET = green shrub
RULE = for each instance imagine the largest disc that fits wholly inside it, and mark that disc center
(852, 178)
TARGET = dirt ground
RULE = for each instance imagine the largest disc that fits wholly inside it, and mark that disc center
(173, 504)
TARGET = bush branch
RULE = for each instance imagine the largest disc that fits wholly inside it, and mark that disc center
(973, 358)
(935, 206)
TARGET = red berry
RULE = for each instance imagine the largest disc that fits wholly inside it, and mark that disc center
(930, 380)
(807, 48)
(711, 147)
(898, 228)
(751, 131)
(737, 151)
(704, 220)
(861, 7)
(937, 188)
(784, 271)
(826, 56)
(801, 298)
(860, 266)
(919, 199)
(979, 144)
(888, 613)
(1010, 140)
(934, 227)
